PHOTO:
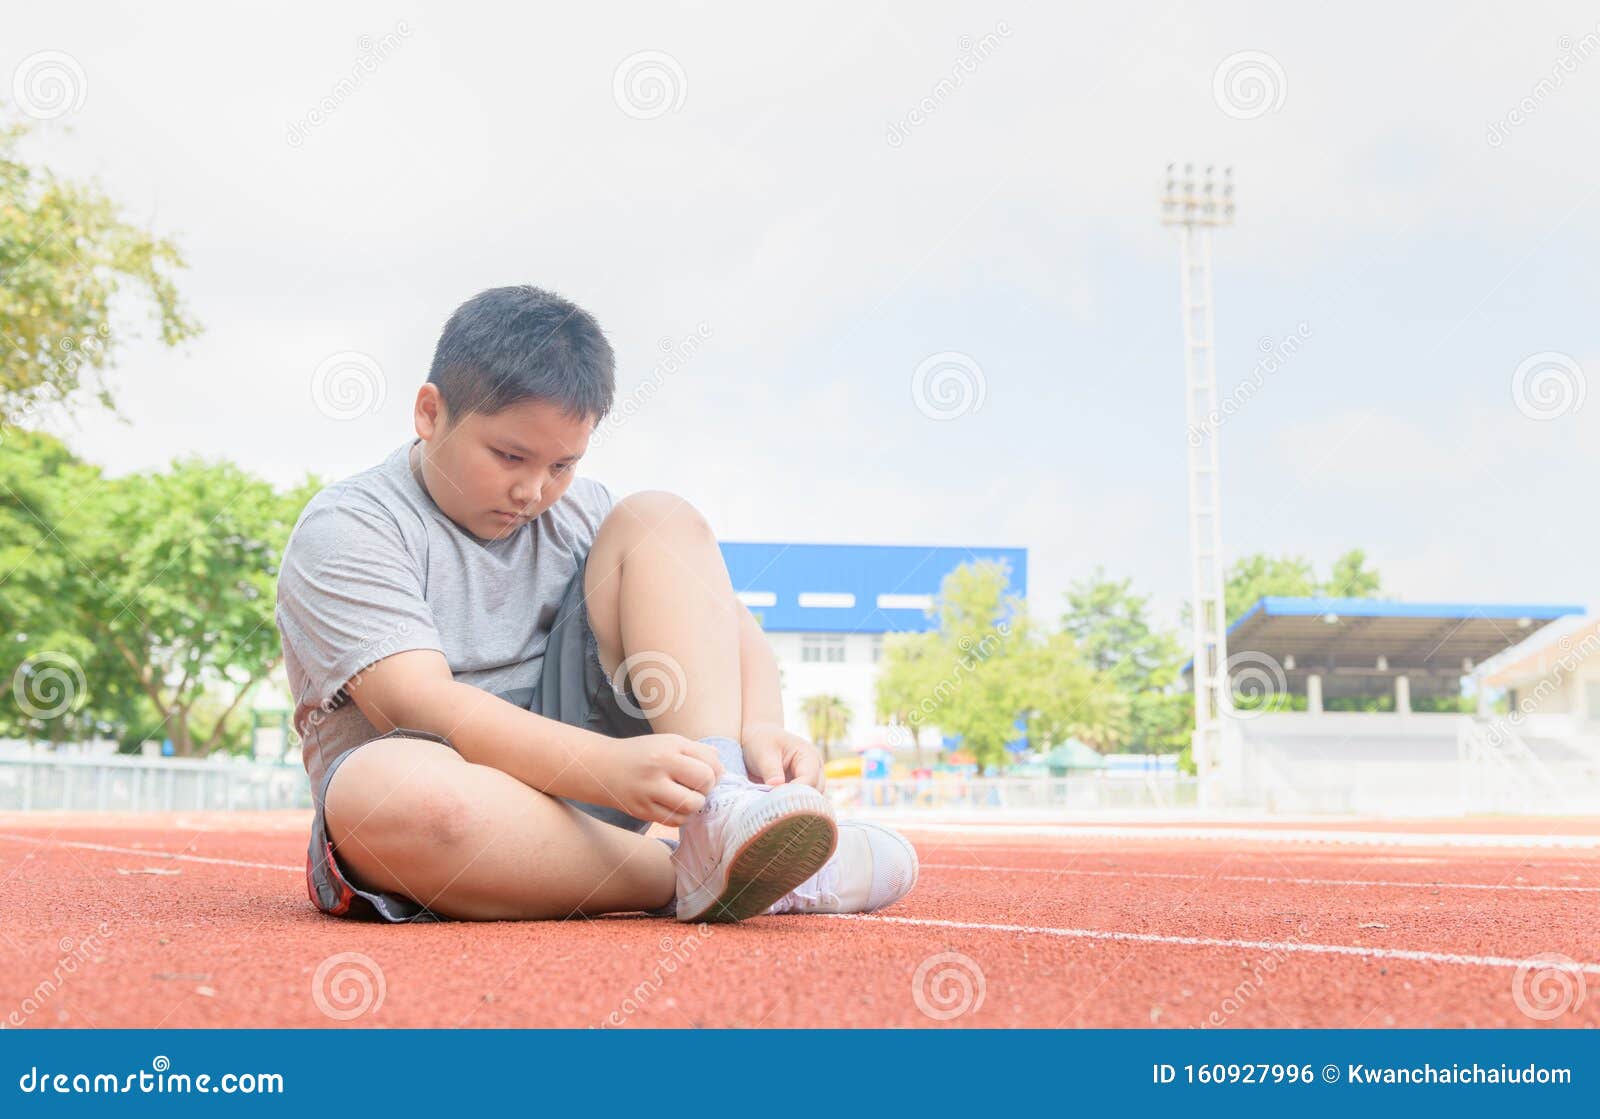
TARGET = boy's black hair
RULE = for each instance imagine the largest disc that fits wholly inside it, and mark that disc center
(511, 344)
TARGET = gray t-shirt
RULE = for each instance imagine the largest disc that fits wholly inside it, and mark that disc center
(374, 568)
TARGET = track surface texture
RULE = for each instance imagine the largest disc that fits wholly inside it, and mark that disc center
(202, 920)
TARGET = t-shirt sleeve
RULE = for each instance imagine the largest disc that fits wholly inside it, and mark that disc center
(602, 501)
(349, 595)
(587, 503)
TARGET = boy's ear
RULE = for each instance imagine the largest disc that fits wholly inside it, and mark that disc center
(429, 414)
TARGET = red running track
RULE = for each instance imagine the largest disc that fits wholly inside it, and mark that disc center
(201, 920)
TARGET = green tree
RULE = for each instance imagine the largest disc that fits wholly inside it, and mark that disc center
(1111, 625)
(1254, 577)
(1351, 578)
(65, 253)
(1113, 632)
(1069, 697)
(986, 668)
(905, 678)
(827, 721)
(979, 668)
(152, 594)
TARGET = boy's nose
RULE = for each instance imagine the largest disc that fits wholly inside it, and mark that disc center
(522, 499)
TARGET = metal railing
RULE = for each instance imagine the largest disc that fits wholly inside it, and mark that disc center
(1015, 796)
(136, 784)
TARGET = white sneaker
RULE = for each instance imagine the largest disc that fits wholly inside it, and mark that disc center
(748, 846)
(874, 866)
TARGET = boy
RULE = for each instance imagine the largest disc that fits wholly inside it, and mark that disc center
(503, 676)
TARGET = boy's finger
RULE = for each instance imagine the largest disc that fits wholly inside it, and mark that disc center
(765, 764)
(808, 768)
(695, 773)
(681, 802)
(707, 754)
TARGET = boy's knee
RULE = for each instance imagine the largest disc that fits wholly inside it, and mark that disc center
(655, 510)
(445, 817)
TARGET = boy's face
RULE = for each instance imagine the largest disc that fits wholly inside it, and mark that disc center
(493, 474)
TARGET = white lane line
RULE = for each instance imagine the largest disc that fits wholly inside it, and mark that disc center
(1266, 879)
(1286, 946)
(1254, 835)
(147, 854)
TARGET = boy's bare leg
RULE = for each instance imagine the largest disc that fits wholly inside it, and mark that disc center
(659, 598)
(468, 841)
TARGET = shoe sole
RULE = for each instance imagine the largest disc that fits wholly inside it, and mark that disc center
(789, 840)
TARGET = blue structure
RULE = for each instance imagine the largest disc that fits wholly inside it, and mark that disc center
(852, 588)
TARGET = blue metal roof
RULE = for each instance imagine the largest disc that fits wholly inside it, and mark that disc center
(864, 571)
(1284, 606)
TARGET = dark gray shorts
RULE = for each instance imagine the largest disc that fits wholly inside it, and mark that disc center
(573, 688)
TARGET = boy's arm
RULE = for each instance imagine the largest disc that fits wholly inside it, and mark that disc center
(415, 689)
(771, 753)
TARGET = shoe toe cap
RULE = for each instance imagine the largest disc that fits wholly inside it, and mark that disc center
(894, 866)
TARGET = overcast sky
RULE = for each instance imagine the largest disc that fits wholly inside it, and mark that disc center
(1418, 196)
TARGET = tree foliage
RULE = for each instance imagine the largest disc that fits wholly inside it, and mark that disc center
(986, 669)
(66, 252)
(827, 721)
(140, 606)
(1256, 576)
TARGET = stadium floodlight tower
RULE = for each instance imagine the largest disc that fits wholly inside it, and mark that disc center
(1195, 209)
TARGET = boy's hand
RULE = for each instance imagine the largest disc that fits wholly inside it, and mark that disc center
(660, 777)
(773, 756)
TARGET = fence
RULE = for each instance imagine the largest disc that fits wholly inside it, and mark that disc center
(1014, 796)
(1382, 764)
(132, 784)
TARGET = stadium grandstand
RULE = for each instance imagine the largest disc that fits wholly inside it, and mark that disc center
(1394, 708)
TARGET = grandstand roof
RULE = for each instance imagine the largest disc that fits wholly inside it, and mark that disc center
(852, 588)
(1350, 634)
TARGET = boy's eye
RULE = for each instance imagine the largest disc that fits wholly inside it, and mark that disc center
(561, 467)
(509, 457)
